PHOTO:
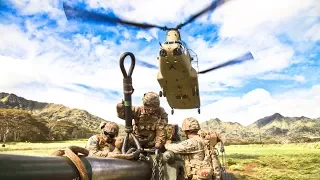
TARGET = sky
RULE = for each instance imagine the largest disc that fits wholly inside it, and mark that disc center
(44, 57)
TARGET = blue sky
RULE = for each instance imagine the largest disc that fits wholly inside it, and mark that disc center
(46, 58)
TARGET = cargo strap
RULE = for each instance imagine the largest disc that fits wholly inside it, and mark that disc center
(72, 153)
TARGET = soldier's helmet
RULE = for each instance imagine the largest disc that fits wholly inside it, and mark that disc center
(190, 124)
(151, 99)
(109, 128)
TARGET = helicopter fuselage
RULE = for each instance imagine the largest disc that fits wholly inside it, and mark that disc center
(177, 78)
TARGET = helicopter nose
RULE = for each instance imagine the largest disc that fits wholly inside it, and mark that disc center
(173, 50)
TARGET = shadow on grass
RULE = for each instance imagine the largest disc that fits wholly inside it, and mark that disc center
(243, 156)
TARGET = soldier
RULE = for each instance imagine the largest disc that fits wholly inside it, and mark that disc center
(193, 151)
(214, 138)
(101, 145)
(149, 121)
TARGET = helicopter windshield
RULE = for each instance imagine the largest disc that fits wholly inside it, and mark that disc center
(173, 42)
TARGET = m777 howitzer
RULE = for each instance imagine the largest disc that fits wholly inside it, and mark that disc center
(148, 164)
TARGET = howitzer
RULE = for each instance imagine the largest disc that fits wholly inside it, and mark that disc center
(23, 167)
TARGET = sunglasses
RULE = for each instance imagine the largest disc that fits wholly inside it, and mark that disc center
(109, 134)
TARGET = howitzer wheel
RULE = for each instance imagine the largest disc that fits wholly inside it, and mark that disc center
(227, 176)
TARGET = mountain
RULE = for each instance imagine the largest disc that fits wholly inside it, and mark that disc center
(50, 111)
(31, 120)
(275, 128)
(71, 122)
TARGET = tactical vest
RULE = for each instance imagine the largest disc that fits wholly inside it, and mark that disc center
(196, 166)
(210, 139)
(145, 127)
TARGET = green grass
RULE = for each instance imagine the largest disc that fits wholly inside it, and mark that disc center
(39, 148)
(267, 162)
(274, 162)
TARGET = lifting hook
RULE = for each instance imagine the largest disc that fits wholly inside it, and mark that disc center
(128, 91)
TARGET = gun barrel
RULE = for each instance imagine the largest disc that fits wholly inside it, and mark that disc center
(23, 167)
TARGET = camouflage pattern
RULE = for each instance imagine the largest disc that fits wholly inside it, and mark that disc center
(169, 129)
(101, 145)
(149, 121)
(192, 151)
(151, 100)
(190, 124)
(172, 133)
(213, 138)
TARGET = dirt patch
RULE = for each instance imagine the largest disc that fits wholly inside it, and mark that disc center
(249, 168)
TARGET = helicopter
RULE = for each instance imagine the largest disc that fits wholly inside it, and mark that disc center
(177, 75)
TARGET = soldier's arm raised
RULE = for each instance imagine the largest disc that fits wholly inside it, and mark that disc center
(219, 139)
(120, 111)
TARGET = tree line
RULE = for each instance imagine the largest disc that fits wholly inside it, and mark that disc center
(20, 125)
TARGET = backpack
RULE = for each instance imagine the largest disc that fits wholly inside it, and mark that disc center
(210, 139)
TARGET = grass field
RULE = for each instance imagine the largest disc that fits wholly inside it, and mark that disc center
(269, 162)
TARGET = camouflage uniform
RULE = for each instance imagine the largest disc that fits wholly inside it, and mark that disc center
(101, 145)
(192, 151)
(172, 133)
(149, 121)
(213, 138)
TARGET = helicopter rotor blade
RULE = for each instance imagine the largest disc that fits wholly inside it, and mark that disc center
(238, 60)
(215, 4)
(81, 14)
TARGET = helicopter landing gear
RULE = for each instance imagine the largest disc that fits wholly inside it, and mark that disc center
(198, 110)
(172, 111)
(162, 93)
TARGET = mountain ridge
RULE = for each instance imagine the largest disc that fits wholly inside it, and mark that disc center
(275, 127)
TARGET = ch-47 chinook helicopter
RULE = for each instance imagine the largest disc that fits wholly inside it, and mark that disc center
(177, 77)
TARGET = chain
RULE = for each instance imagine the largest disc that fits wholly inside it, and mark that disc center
(154, 165)
(160, 167)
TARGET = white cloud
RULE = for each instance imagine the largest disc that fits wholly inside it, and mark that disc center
(57, 62)
(314, 32)
(144, 35)
(275, 76)
(155, 11)
(29, 7)
(247, 17)
(259, 103)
